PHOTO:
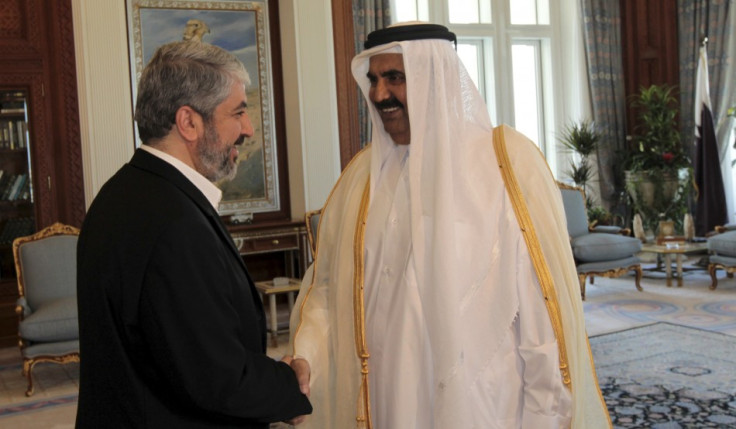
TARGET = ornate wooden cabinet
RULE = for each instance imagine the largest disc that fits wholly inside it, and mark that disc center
(273, 249)
(37, 62)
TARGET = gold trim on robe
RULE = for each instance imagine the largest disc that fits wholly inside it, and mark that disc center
(535, 250)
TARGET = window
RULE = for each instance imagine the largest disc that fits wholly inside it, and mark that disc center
(519, 92)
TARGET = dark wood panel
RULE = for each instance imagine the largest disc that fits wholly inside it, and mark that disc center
(8, 318)
(347, 90)
(277, 80)
(22, 29)
(650, 46)
(68, 186)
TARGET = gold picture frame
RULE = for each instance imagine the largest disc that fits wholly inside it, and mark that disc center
(242, 28)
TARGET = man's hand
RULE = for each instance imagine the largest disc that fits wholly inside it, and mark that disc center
(303, 371)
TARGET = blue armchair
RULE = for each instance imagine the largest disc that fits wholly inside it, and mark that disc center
(605, 251)
(722, 249)
(46, 267)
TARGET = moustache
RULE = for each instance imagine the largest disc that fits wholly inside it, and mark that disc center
(387, 104)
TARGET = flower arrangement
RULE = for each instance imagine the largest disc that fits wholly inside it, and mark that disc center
(658, 170)
(656, 144)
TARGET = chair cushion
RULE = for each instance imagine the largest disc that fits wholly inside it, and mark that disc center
(596, 247)
(723, 260)
(723, 244)
(54, 321)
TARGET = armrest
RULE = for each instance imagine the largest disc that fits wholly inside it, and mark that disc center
(610, 229)
(21, 308)
(726, 227)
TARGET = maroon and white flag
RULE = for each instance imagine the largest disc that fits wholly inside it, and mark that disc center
(710, 210)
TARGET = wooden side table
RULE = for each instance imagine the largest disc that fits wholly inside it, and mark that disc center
(268, 290)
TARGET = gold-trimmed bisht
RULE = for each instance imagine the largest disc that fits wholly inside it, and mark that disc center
(535, 249)
(364, 404)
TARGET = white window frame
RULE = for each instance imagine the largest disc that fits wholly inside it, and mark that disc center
(496, 39)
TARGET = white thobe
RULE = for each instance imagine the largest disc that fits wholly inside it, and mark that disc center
(523, 380)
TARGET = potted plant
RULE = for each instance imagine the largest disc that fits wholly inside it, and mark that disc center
(657, 168)
(581, 138)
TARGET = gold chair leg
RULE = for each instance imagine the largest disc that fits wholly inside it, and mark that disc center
(27, 371)
(637, 278)
(581, 279)
(713, 279)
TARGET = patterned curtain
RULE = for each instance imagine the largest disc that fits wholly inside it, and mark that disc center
(695, 17)
(602, 39)
(368, 15)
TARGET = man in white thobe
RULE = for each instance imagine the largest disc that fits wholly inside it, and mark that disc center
(443, 292)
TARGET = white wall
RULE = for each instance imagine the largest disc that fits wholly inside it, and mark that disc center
(311, 99)
(105, 106)
(106, 112)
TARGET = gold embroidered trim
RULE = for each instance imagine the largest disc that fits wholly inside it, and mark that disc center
(314, 272)
(364, 402)
(535, 249)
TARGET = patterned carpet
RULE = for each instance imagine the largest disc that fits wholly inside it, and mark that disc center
(614, 304)
(667, 376)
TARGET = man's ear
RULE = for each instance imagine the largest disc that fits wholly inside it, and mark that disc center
(189, 123)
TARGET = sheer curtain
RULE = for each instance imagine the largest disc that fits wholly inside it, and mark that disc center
(719, 19)
(602, 33)
(368, 15)
(574, 98)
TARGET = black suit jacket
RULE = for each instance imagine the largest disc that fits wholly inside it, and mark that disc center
(172, 332)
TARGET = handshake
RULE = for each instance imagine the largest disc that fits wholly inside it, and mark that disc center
(302, 371)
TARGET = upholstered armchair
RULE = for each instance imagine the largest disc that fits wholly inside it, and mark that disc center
(46, 267)
(605, 251)
(722, 249)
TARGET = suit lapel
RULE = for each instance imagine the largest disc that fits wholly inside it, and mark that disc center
(146, 161)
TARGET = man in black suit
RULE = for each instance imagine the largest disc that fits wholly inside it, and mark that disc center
(172, 331)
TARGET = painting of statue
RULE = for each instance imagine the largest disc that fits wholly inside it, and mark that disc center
(242, 29)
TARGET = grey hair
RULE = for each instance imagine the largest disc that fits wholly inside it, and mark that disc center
(194, 74)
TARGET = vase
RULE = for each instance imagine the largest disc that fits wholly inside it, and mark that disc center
(643, 186)
(666, 229)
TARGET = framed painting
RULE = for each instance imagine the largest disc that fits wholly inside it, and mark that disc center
(242, 28)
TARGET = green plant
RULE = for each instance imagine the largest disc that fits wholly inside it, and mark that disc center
(598, 215)
(658, 169)
(656, 144)
(581, 138)
(580, 173)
